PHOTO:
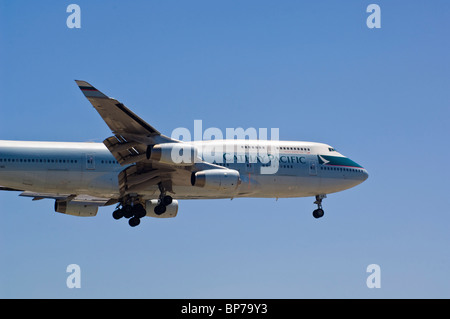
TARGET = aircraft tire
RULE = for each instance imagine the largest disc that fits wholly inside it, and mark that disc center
(139, 211)
(134, 221)
(117, 214)
(160, 209)
(167, 200)
(127, 211)
(318, 213)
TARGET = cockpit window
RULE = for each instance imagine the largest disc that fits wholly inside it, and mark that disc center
(331, 149)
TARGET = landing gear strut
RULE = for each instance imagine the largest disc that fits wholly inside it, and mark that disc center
(130, 208)
(318, 213)
(164, 201)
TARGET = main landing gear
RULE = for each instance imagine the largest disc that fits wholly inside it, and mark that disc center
(318, 213)
(131, 209)
(164, 201)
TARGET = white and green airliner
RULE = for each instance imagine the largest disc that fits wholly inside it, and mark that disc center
(145, 173)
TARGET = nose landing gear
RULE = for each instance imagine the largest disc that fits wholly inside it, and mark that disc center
(318, 213)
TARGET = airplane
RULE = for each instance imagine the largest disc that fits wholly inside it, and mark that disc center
(145, 173)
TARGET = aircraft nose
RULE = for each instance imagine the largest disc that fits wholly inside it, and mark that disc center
(361, 174)
(365, 175)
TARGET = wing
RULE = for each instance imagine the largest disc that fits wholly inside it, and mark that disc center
(132, 136)
(80, 205)
(2, 188)
(91, 200)
(116, 115)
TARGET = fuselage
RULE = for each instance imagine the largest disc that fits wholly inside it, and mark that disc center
(274, 169)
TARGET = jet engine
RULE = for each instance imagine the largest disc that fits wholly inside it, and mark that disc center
(173, 153)
(216, 179)
(75, 208)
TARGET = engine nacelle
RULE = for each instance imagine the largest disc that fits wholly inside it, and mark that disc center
(76, 208)
(173, 153)
(171, 210)
(216, 179)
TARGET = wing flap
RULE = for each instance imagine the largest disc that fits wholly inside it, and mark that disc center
(125, 152)
(99, 201)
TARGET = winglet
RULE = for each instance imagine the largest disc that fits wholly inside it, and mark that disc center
(90, 91)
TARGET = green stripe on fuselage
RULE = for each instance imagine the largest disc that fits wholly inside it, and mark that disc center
(337, 161)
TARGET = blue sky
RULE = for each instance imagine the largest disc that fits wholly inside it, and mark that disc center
(312, 69)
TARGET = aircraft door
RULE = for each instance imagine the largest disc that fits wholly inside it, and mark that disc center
(90, 162)
(312, 166)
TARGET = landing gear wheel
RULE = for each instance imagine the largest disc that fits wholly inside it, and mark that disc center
(318, 213)
(117, 214)
(130, 207)
(134, 221)
(139, 211)
(164, 200)
(127, 211)
(160, 209)
(167, 200)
